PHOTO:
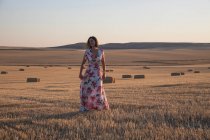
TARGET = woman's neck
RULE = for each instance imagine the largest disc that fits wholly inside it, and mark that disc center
(94, 48)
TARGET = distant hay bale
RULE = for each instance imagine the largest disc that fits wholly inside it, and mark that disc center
(208, 67)
(21, 70)
(45, 66)
(27, 66)
(175, 74)
(182, 73)
(196, 71)
(139, 76)
(69, 67)
(126, 76)
(109, 70)
(32, 79)
(145, 67)
(4, 72)
(109, 80)
(189, 70)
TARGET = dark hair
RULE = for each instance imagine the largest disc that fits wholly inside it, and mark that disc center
(88, 42)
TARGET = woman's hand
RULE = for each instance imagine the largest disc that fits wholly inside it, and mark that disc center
(81, 76)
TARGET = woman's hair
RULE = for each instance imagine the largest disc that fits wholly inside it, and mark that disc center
(88, 42)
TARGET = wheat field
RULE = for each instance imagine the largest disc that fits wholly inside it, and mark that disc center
(160, 106)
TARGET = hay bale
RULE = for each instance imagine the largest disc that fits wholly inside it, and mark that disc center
(139, 76)
(32, 79)
(208, 67)
(109, 70)
(182, 73)
(126, 76)
(175, 74)
(145, 67)
(196, 71)
(4, 72)
(189, 70)
(109, 80)
(27, 66)
(45, 66)
(21, 70)
(69, 67)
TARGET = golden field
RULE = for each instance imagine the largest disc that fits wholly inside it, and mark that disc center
(114, 57)
(158, 107)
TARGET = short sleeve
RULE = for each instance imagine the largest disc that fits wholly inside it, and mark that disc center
(102, 53)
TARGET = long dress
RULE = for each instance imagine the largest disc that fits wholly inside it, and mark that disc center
(92, 93)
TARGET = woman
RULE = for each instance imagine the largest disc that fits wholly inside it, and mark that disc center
(92, 93)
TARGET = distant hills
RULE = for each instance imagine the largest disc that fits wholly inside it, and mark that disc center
(131, 45)
(141, 45)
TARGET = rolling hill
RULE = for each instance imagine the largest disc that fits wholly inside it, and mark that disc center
(131, 45)
(141, 45)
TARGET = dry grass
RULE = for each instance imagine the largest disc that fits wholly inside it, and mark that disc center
(142, 57)
(157, 107)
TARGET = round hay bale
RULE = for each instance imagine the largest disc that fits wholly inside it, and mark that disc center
(4, 72)
(109, 80)
(139, 76)
(32, 79)
(196, 71)
(27, 66)
(21, 70)
(126, 76)
(109, 70)
(69, 67)
(145, 67)
(208, 67)
(175, 74)
(182, 73)
(189, 70)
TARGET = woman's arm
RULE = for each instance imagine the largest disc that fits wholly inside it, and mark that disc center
(82, 66)
(103, 65)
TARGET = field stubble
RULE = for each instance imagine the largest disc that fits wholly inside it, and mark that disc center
(157, 107)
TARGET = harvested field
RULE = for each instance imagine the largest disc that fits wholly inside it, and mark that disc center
(158, 107)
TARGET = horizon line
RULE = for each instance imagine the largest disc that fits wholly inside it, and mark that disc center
(111, 43)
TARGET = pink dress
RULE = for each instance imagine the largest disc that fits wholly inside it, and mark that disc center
(92, 93)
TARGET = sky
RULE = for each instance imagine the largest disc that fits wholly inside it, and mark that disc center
(48, 23)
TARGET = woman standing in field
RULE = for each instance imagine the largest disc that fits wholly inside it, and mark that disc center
(92, 93)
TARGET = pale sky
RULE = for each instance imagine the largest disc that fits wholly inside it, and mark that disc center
(43, 23)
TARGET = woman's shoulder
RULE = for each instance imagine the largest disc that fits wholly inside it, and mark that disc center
(87, 50)
(101, 49)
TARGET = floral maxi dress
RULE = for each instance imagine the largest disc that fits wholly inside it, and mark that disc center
(92, 93)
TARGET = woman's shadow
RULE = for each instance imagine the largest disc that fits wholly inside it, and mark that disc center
(12, 124)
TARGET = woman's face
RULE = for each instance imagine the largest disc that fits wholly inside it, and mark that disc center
(92, 42)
